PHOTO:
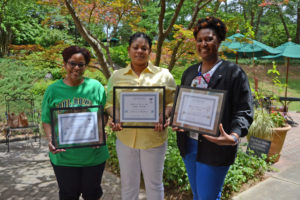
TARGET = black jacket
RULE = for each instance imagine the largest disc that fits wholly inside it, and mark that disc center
(237, 115)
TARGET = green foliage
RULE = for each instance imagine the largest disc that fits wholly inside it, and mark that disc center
(274, 73)
(119, 55)
(112, 162)
(22, 18)
(175, 175)
(95, 74)
(40, 87)
(52, 36)
(16, 78)
(262, 124)
(177, 73)
(246, 168)
(26, 31)
(49, 59)
(278, 119)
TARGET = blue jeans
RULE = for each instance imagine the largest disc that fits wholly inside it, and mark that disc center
(206, 180)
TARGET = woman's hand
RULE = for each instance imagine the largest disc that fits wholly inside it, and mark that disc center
(177, 129)
(223, 139)
(158, 127)
(116, 126)
(53, 150)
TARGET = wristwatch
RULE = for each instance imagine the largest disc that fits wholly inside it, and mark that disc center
(236, 140)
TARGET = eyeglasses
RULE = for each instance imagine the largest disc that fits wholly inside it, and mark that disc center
(74, 64)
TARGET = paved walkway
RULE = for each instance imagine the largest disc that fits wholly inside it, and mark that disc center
(283, 184)
(26, 174)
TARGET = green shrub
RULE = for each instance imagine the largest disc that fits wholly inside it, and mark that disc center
(175, 175)
(40, 87)
(95, 74)
(177, 73)
(112, 162)
(246, 167)
(52, 36)
(119, 55)
(16, 78)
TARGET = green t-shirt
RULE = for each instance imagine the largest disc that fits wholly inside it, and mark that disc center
(90, 92)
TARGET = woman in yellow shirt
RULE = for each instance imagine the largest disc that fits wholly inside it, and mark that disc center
(139, 149)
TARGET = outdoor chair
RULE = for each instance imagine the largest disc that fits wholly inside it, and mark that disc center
(22, 120)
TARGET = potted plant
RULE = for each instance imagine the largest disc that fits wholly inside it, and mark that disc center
(270, 126)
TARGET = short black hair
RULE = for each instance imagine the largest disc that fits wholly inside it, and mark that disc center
(68, 52)
(213, 23)
(140, 35)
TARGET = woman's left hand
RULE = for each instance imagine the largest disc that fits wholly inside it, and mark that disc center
(160, 126)
(223, 139)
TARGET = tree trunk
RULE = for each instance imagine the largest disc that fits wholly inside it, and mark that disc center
(244, 10)
(95, 44)
(283, 22)
(258, 21)
(161, 33)
(4, 35)
(216, 8)
(252, 15)
(174, 56)
(297, 40)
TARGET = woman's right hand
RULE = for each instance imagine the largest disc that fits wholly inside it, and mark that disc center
(177, 129)
(116, 126)
(53, 150)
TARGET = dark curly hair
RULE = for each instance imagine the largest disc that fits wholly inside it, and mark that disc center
(71, 50)
(140, 35)
(212, 23)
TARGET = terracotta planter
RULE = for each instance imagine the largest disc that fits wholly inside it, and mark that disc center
(277, 140)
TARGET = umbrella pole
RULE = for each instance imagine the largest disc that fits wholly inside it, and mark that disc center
(236, 58)
(286, 84)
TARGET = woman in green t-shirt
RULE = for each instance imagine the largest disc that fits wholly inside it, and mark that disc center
(78, 170)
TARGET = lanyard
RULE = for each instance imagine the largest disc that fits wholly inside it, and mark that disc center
(199, 70)
(200, 74)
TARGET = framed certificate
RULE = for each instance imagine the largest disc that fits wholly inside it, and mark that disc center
(75, 127)
(198, 110)
(138, 107)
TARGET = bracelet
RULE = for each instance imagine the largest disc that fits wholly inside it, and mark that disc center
(236, 140)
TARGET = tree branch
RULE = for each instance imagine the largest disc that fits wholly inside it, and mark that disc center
(163, 34)
(174, 56)
(174, 18)
(95, 44)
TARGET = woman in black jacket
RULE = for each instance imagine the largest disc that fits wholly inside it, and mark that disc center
(207, 159)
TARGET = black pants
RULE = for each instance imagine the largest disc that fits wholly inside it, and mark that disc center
(74, 181)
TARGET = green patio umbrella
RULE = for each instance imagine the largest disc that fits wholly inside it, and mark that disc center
(288, 50)
(240, 44)
(282, 48)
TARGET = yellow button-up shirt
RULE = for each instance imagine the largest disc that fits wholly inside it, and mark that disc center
(142, 138)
